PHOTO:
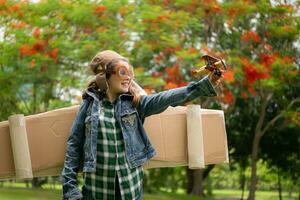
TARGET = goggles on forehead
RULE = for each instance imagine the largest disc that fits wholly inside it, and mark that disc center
(122, 72)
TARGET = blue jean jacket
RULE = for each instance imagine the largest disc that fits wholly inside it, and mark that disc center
(82, 142)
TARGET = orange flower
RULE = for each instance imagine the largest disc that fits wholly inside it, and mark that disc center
(267, 59)
(250, 35)
(3, 2)
(101, 29)
(233, 12)
(18, 25)
(287, 28)
(251, 72)
(148, 90)
(192, 50)
(38, 46)
(53, 54)
(209, 6)
(171, 50)
(26, 50)
(166, 2)
(99, 9)
(244, 95)
(229, 76)
(182, 84)
(14, 8)
(228, 97)
(206, 50)
(170, 85)
(173, 73)
(162, 18)
(288, 60)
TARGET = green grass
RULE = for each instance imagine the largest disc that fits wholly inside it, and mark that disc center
(54, 194)
(28, 194)
(260, 195)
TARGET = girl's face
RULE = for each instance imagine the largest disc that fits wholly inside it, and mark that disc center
(120, 80)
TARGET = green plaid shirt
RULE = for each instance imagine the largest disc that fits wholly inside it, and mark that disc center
(111, 162)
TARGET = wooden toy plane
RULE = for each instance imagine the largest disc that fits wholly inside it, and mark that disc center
(212, 64)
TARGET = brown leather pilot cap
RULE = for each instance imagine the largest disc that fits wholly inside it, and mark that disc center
(98, 66)
(102, 59)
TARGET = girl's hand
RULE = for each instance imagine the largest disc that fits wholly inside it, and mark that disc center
(216, 76)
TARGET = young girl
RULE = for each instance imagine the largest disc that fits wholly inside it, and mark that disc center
(107, 138)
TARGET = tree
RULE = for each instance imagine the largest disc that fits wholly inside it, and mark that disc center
(265, 63)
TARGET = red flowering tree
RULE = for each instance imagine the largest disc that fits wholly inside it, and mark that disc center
(261, 41)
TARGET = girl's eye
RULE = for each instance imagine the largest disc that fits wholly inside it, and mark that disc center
(122, 72)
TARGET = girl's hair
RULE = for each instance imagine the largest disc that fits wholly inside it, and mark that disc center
(92, 85)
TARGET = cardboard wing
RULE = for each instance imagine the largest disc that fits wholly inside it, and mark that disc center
(187, 136)
(43, 153)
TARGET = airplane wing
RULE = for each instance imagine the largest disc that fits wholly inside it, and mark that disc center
(47, 135)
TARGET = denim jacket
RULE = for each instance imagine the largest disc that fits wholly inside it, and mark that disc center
(82, 142)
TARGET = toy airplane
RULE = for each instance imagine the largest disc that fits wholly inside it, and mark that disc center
(212, 64)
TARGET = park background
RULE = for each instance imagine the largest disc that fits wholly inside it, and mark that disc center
(46, 47)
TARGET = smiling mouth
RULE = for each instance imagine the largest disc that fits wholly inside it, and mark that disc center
(126, 84)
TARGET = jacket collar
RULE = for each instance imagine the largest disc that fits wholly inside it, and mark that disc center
(93, 93)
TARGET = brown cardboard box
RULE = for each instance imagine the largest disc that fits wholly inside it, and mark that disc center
(47, 134)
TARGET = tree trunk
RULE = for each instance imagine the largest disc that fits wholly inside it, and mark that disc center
(195, 182)
(196, 179)
(38, 182)
(279, 186)
(27, 183)
(190, 180)
(198, 188)
(259, 132)
(253, 167)
(242, 183)
(48, 95)
(35, 182)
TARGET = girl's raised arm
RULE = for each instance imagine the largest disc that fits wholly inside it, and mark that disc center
(157, 103)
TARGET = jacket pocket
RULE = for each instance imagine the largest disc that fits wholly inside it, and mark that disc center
(130, 123)
(130, 119)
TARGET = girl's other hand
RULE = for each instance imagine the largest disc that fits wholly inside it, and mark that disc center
(216, 76)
